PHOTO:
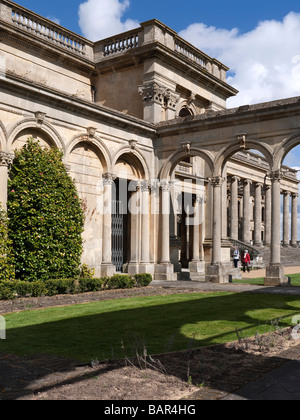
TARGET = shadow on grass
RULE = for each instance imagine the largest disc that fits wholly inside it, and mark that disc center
(96, 331)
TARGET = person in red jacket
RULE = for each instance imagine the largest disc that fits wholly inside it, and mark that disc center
(246, 261)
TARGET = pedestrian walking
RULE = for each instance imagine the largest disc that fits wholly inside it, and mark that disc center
(236, 257)
(246, 261)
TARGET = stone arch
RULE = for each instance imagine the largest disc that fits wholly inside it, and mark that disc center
(227, 152)
(3, 137)
(284, 148)
(96, 144)
(88, 160)
(186, 105)
(40, 128)
(176, 157)
(134, 157)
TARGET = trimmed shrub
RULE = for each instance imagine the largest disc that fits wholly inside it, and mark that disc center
(60, 287)
(90, 285)
(17, 288)
(7, 270)
(45, 216)
(143, 280)
(7, 290)
(120, 281)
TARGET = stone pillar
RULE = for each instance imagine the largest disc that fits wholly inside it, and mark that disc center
(246, 211)
(286, 218)
(135, 213)
(107, 268)
(268, 215)
(145, 266)
(196, 265)
(275, 271)
(257, 215)
(215, 272)
(234, 214)
(294, 228)
(6, 160)
(165, 270)
(165, 231)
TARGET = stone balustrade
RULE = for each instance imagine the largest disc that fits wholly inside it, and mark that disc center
(44, 29)
(152, 32)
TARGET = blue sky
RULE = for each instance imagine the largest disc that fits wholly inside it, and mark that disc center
(177, 14)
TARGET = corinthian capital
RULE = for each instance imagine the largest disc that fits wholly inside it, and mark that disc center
(276, 175)
(217, 181)
(108, 178)
(6, 159)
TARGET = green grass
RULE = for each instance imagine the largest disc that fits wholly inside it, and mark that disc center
(163, 323)
(260, 281)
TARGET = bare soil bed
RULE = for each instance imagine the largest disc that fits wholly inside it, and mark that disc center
(201, 374)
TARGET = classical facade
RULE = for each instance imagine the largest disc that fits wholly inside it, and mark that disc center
(168, 176)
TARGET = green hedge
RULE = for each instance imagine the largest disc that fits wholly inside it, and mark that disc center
(16, 289)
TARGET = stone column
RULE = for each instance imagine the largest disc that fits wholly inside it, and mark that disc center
(6, 160)
(268, 215)
(215, 272)
(145, 266)
(286, 218)
(275, 271)
(234, 214)
(135, 214)
(246, 211)
(196, 265)
(107, 268)
(165, 231)
(294, 228)
(165, 270)
(257, 215)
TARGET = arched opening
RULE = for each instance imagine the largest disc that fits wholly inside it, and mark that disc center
(21, 138)
(126, 213)
(290, 221)
(185, 112)
(188, 172)
(246, 199)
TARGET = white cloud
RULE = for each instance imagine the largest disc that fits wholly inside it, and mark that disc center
(99, 19)
(54, 19)
(265, 62)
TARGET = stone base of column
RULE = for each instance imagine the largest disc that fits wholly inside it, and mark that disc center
(275, 276)
(140, 268)
(216, 274)
(197, 267)
(165, 271)
(107, 270)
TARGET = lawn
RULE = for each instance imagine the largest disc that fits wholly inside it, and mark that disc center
(162, 323)
(295, 280)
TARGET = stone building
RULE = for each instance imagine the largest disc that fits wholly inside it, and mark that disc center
(169, 177)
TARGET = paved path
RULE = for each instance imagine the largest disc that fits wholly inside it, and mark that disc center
(281, 384)
(234, 287)
(255, 274)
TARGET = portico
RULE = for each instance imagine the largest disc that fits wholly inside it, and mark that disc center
(147, 108)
